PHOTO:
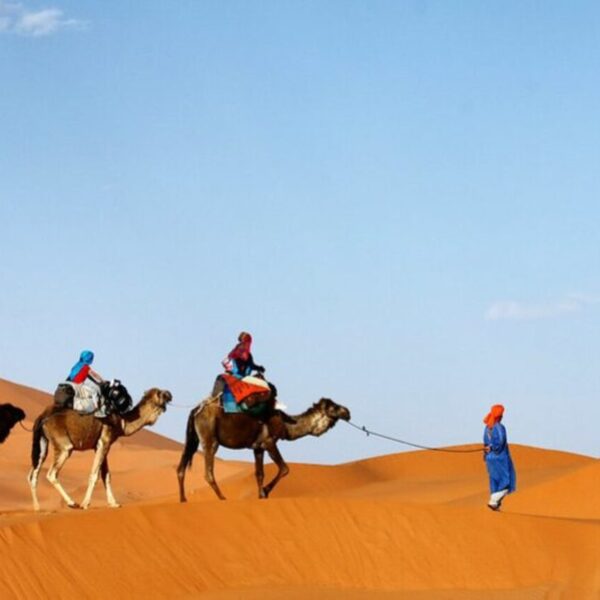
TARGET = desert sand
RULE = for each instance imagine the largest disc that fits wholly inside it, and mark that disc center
(411, 525)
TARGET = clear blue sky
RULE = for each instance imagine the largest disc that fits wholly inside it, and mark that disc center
(400, 200)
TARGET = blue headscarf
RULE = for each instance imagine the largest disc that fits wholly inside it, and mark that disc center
(86, 358)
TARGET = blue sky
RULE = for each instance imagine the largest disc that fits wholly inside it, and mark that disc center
(398, 199)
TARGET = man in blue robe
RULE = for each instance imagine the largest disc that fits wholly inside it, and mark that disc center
(497, 458)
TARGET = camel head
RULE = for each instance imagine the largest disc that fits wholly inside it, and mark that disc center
(9, 416)
(157, 399)
(328, 415)
(333, 410)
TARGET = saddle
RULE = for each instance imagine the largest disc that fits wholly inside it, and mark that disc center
(250, 395)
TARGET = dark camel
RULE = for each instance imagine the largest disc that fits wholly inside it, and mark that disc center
(9, 416)
(67, 430)
(210, 426)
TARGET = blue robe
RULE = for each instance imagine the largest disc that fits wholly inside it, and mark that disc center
(498, 461)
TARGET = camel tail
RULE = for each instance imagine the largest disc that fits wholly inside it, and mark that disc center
(36, 442)
(192, 442)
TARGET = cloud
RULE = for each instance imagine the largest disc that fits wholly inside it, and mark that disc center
(521, 311)
(17, 18)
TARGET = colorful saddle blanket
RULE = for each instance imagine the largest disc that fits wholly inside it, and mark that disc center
(238, 390)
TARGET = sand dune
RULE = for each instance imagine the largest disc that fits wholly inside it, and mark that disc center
(411, 525)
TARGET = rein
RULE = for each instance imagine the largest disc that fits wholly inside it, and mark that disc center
(25, 428)
(368, 432)
(187, 406)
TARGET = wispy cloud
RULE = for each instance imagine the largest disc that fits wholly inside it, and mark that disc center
(522, 311)
(17, 18)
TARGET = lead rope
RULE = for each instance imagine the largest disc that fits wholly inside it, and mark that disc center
(186, 406)
(368, 432)
(25, 428)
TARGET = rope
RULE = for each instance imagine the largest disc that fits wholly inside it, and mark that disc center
(399, 441)
(186, 406)
(25, 428)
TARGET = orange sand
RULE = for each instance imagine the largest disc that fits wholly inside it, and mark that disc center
(411, 526)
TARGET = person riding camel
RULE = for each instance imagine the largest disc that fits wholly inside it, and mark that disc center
(239, 361)
(81, 389)
(243, 381)
(82, 370)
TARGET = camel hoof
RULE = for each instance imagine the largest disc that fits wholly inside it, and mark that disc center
(74, 505)
(117, 505)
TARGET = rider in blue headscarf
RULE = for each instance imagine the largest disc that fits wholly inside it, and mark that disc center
(82, 369)
(82, 388)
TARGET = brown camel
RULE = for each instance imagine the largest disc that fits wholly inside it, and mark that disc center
(67, 430)
(9, 416)
(210, 426)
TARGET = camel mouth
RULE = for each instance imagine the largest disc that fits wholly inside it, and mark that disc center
(166, 397)
(344, 414)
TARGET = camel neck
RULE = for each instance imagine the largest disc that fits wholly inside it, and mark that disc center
(140, 416)
(311, 422)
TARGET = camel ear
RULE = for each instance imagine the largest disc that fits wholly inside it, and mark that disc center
(325, 403)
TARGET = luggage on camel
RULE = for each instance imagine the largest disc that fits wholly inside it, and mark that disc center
(116, 397)
(85, 398)
(110, 397)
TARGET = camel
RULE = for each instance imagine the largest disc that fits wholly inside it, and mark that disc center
(9, 416)
(210, 426)
(67, 430)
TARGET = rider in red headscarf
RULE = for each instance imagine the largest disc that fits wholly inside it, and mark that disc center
(239, 362)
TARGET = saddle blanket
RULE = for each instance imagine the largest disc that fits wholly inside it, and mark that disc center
(242, 388)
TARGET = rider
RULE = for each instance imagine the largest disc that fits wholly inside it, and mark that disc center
(239, 362)
(82, 370)
(82, 387)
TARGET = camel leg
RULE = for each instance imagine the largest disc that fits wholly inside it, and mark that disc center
(209, 467)
(101, 452)
(181, 482)
(192, 439)
(60, 458)
(283, 469)
(32, 478)
(259, 456)
(105, 474)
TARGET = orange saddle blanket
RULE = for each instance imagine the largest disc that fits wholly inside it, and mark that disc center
(243, 388)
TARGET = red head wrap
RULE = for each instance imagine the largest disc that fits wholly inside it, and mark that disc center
(242, 350)
(494, 415)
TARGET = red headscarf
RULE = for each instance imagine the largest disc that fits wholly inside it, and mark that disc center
(242, 350)
(494, 415)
